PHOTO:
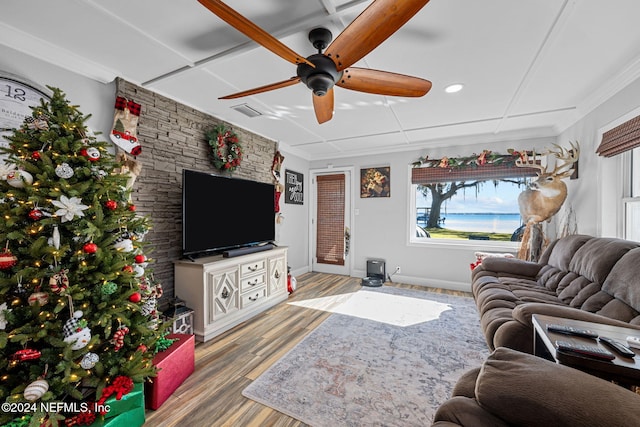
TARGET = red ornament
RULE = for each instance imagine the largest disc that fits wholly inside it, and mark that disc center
(90, 248)
(135, 297)
(7, 260)
(35, 214)
(142, 348)
(127, 268)
(35, 155)
(140, 258)
(26, 354)
(112, 205)
(132, 208)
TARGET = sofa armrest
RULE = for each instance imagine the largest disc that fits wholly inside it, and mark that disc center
(526, 390)
(523, 313)
(509, 266)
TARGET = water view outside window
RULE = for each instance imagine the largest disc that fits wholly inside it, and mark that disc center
(488, 211)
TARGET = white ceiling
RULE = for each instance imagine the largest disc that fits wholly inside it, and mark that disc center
(530, 68)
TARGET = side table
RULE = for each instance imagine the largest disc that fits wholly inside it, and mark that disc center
(622, 370)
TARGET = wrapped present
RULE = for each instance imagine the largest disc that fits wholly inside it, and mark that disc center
(174, 365)
(127, 412)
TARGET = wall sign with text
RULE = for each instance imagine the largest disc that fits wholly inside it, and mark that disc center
(293, 187)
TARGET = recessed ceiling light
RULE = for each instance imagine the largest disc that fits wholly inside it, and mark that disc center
(457, 87)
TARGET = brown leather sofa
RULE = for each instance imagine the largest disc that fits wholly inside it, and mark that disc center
(581, 277)
(513, 388)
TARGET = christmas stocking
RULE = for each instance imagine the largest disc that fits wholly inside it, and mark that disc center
(125, 124)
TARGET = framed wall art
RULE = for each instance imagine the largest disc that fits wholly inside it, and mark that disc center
(293, 187)
(375, 182)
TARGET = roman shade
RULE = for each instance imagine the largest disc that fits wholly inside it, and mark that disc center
(330, 247)
(621, 138)
(432, 175)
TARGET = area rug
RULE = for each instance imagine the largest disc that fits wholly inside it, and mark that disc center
(357, 369)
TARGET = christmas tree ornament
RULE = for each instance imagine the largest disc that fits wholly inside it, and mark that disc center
(140, 258)
(132, 208)
(4, 308)
(112, 205)
(59, 282)
(36, 390)
(108, 288)
(69, 208)
(138, 271)
(91, 153)
(36, 155)
(90, 248)
(135, 297)
(55, 238)
(124, 245)
(125, 124)
(37, 123)
(19, 179)
(76, 331)
(118, 338)
(26, 354)
(35, 214)
(89, 360)
(127, 269)
(38, 298)
(64, 171)
(7, 259)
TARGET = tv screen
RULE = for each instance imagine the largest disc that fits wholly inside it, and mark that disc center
(220, 213)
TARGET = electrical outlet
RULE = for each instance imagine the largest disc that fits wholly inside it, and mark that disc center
(397, 269)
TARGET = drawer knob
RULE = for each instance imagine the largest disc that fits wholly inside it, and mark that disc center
(254, 298)
(225, 293)
(253, 267)
(277, 274)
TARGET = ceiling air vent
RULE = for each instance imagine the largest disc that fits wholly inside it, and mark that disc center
(246, 110)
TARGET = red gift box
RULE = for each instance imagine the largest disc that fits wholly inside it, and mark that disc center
(174, 365)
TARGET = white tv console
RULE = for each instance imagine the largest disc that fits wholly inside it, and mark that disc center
(224, 292)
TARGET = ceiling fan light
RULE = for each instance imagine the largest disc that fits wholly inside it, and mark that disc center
(456, 87)
(320, 83)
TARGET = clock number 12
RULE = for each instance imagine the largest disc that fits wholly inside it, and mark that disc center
(15, 93)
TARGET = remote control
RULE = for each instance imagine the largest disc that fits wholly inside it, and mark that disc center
(586, 350)
(619, 347)
(570, 330)
(633, 341)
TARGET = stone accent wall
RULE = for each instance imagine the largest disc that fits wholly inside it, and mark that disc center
(173, 138)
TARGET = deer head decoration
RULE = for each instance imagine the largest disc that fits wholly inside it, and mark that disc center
(544, 197)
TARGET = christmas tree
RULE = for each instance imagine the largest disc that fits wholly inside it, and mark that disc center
(78, 315)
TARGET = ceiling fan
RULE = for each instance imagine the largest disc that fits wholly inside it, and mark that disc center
(321, 71)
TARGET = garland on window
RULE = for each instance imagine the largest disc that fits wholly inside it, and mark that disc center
(225, 148)
(487, 157)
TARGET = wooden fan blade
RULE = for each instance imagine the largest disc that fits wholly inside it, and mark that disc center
(265, 88)
(251, 30)
(373, 26)
(383, 82)
(323, 106)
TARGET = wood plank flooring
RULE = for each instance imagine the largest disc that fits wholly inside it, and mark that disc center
(211, 396)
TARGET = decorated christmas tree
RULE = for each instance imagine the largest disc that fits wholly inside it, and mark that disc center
(78, 318)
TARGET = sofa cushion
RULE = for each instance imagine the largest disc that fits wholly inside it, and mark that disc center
(526, 390)
(560, 255)
(623, 282)
(595, 259)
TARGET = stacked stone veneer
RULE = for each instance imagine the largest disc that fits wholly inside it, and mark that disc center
(173, 138)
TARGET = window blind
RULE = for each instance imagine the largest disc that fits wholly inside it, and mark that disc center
(330, 219)
(621, 138)
(432, 175)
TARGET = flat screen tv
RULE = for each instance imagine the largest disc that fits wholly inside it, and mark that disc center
(220, 213)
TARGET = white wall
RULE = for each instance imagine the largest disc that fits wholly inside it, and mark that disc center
(294, 231)
(92, 97)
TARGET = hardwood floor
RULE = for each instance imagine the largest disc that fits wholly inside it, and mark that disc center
(211, 396)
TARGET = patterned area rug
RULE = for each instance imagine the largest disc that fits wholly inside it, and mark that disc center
(356, 371)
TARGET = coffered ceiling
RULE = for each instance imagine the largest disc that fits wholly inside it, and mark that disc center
(529, 68)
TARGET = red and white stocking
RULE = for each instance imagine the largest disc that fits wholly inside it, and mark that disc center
(125, 125)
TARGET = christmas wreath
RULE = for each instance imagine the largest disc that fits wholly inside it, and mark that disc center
(226, 151)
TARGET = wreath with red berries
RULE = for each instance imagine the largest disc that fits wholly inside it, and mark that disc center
(225, 148)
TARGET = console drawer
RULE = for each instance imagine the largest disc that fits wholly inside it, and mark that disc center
(252, 267)
(249, 283)
(254, 297)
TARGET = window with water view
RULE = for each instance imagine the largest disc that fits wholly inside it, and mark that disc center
(473, 210)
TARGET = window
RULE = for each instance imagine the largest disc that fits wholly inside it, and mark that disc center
(632, 202)
(478, 210)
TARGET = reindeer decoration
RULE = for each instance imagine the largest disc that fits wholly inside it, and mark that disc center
(544, 197)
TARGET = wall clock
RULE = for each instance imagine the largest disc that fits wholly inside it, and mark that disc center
(17, 95)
